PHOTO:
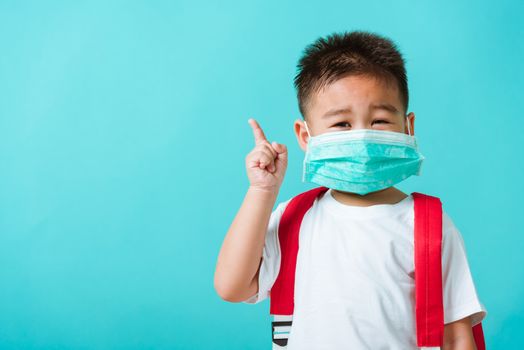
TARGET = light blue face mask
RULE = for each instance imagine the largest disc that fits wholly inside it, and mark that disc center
(361, 160)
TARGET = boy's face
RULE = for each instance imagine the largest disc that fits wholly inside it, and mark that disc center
(354, 102)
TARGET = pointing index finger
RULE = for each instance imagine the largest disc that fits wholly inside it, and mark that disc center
(257, 131)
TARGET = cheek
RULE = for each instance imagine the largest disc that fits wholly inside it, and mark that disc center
(398, 128)
(325, 127)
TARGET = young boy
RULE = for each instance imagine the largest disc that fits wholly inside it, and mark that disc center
(354, 281)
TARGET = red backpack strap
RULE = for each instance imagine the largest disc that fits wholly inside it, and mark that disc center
(429, 308)
(478, 335)
(283, 291)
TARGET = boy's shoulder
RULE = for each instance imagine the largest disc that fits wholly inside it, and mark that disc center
(300, 201)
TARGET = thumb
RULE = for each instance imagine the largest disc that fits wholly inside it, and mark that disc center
(281, 150)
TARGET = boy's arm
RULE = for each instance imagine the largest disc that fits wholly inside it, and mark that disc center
(458, 335)
(239, 260)
(236, 274)
(459, 293)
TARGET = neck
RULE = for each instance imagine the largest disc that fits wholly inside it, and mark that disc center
(390, 195)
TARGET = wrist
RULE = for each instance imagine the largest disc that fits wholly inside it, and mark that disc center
(264, 191)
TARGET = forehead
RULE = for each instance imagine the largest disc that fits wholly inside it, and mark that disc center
(356, 91)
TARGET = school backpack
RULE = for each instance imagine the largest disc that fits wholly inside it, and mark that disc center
(428, 270)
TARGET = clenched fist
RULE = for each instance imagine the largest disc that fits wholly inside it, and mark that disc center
(266, 164)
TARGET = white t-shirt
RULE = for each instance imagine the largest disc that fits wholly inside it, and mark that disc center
(354, 280)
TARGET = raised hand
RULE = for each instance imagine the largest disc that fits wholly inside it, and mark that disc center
(266, 164)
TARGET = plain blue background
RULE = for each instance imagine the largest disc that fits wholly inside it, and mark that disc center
(123, 133)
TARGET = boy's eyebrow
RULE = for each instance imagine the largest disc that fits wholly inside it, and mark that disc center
(385, 106)
(337, 111)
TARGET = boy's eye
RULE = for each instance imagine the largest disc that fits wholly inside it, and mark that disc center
(381, 120)
(341, 124)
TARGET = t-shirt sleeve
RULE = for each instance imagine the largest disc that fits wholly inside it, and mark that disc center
(270, 264)
(459, 292)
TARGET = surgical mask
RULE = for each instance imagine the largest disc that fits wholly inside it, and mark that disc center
(361, 160)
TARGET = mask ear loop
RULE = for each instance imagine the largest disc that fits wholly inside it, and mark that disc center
(305, 123)
(409, 129)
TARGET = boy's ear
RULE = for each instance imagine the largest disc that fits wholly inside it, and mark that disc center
(301, 133)
(411, 121)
